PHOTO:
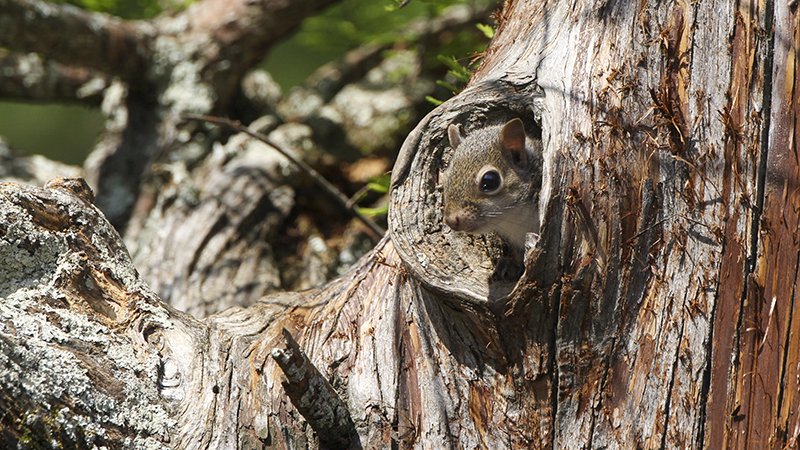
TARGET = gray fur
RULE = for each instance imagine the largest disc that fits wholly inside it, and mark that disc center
(512, 212)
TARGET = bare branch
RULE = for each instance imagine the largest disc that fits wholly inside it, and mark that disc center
(68, 35)
(376, 231)
(28, 77)
(314, 397)
(241, 32)
(330, 78)
(245, 29)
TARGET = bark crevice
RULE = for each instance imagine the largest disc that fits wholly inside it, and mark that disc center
(766, 129)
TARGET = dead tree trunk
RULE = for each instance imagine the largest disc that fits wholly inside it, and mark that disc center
(193, 61)
(205, 215)
(656, 310)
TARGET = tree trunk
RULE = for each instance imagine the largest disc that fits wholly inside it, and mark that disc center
(655, 310)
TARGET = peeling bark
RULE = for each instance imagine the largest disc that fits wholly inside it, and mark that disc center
(656, 310)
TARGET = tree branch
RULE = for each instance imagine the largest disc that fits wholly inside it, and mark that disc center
(313, 396)
(245, 29)
(28, 77)
(63, 389)
(67, 34)
(375, 230)
(330, 78)
(241, 32)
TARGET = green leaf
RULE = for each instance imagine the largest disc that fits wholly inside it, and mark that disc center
(487, 30)
(458, 71)
(374, 212)
(380, 184)
(379, 188)
(433, 100)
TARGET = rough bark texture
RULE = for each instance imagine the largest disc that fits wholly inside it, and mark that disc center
(28, 77)
(236, 204)
(193, 61)
(97, 41)
(656, 310)
(201, 213)
(78, 370)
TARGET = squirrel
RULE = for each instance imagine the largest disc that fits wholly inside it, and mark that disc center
(492, 183)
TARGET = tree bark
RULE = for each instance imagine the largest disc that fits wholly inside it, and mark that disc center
(655, 311)
(29, 78)
(193, 61)
(99, 41)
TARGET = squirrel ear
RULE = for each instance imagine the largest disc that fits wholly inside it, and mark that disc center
(454, 135)
(512, 143)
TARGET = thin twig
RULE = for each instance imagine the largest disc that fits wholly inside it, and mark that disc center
(360, 194)
(376, 230)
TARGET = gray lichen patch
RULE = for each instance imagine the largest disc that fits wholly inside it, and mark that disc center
(56, 358)
(37, 369)
(176, 67)
(27, 256)
(77, 378)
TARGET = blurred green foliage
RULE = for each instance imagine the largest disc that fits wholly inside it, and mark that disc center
(458, 73)
(351, 23)
(68, 133)
(62, 132)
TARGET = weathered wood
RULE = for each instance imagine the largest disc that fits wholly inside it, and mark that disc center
(314, 397)
(191, 61)
(197, 220)
(765, 380)
(659, 127)
(656, 311)
(446, 261)
(77, 369)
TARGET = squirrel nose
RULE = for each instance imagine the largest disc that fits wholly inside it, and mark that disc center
(452, 220)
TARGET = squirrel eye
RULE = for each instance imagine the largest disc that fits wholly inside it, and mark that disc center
(490, 181)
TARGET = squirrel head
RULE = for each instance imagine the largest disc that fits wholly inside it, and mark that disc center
(492, 181)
